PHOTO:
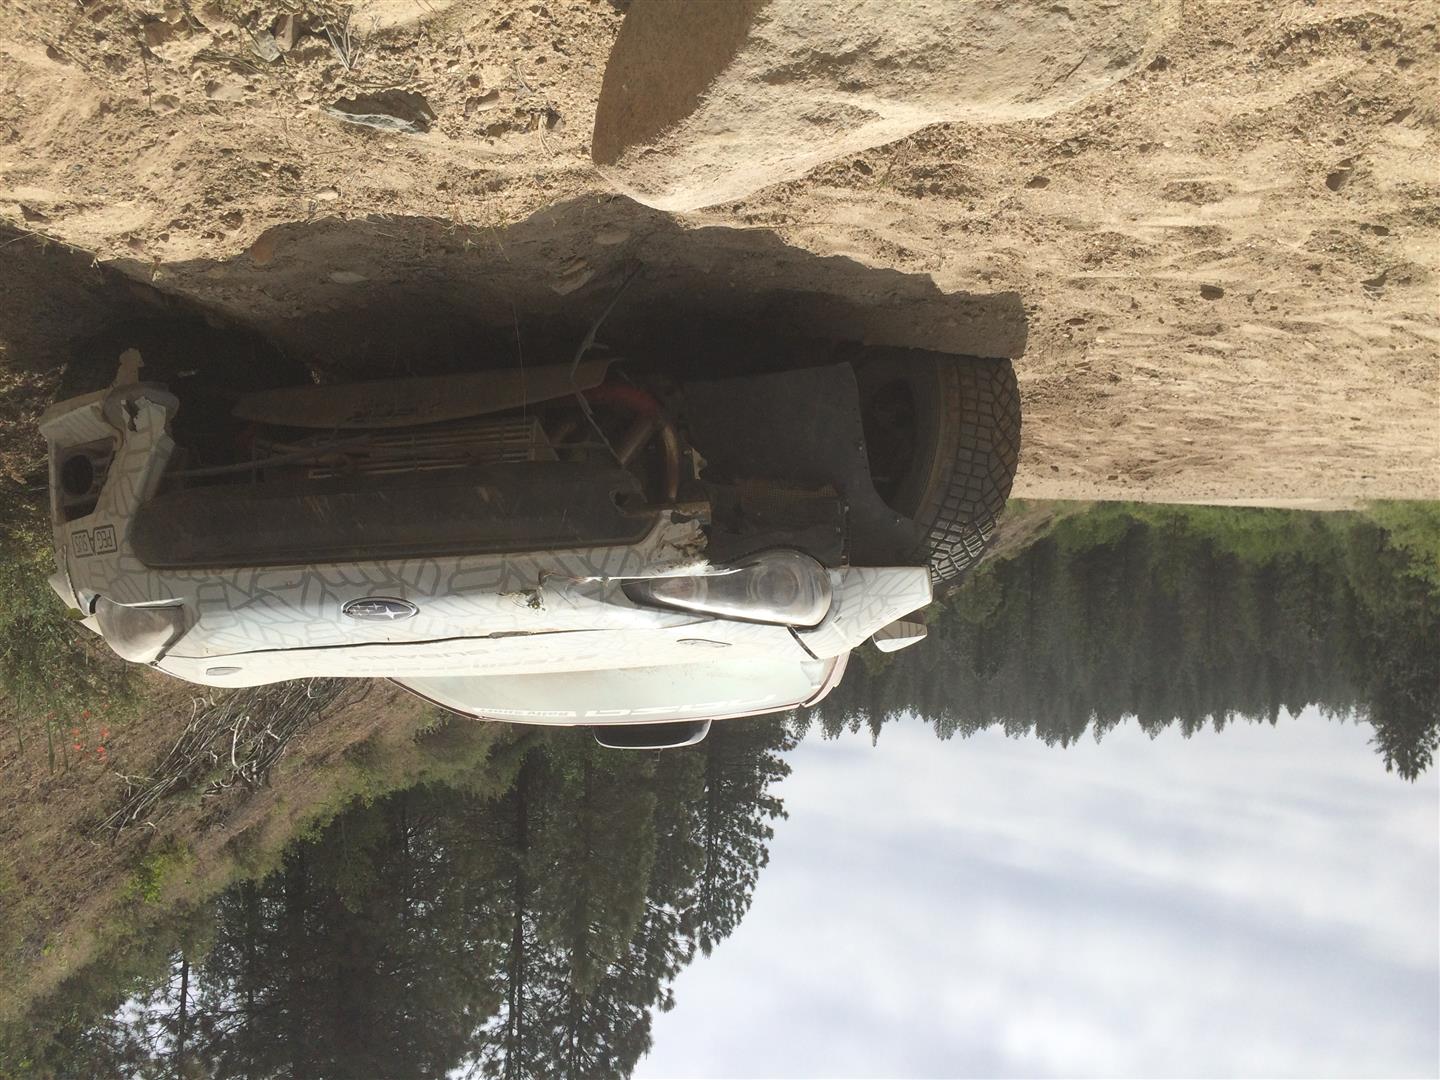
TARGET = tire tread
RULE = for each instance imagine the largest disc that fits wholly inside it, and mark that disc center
(974, 466)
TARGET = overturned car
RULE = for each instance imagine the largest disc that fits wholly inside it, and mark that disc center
(594, 542)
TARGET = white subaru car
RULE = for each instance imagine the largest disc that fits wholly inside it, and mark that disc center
(592, 542)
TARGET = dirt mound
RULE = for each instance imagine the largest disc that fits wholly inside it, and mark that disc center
(704, 103)
(1224, 265)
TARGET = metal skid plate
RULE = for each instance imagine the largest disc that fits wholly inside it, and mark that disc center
(539, 506)
(801, 429)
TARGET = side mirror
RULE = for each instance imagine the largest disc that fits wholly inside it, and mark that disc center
(899, 635)
(668, 736)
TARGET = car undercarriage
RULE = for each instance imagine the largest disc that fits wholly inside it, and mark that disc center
(534, 522)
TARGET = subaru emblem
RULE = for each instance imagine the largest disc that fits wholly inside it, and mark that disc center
(379, 609)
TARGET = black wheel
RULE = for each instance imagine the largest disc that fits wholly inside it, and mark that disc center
(942, 435)
(206, 367)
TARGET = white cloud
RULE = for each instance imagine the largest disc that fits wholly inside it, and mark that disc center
(1259, 902)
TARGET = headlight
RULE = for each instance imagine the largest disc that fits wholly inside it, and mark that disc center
(783, 587)
(139, 634)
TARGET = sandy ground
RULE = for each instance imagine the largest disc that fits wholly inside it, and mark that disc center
(1223, 269)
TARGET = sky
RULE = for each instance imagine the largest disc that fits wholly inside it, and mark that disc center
(1258, 902)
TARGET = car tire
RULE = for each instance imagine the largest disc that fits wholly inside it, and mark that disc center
(942, 436)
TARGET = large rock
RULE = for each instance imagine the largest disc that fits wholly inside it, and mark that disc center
(707, 101)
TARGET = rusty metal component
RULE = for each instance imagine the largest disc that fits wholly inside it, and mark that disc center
(624, 396)
(563, 431)
(670, 445)
(394, 403)
(443, 446)
(651, 418)
(635, 439)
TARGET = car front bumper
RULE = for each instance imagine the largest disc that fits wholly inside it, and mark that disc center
(494, 612)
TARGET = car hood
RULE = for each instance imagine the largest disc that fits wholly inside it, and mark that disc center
(713, 689)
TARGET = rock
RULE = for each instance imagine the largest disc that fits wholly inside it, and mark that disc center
(225, 88)
(706, 102)
(1211, 292)
(388, 110)
(157, 32)
(573, 275)
(286, 30)
(262, 251)
(263, 45)
(1341, 175)
(217, 21)
(497, 129)
(481, 102)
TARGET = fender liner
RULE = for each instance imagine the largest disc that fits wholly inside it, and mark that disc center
(803, 429)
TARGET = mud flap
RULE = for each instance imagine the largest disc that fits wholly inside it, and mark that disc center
(802, 429)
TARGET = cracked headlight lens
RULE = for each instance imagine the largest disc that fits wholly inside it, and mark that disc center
(782, 586)
(139, 634)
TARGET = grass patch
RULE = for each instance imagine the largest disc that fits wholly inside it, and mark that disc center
(55, 676)
(155, 871)
(1413, 527)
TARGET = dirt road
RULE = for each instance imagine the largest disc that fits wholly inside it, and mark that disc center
(1223, 269)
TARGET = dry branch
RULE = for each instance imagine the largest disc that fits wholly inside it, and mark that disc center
(235, 739)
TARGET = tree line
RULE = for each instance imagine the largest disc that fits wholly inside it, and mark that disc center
(1174, 615)
(520, 928)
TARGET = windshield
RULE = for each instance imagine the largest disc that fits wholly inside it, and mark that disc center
(705, 691)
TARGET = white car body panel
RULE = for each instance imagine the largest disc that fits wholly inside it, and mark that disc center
(710, 688)
(511, 614)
